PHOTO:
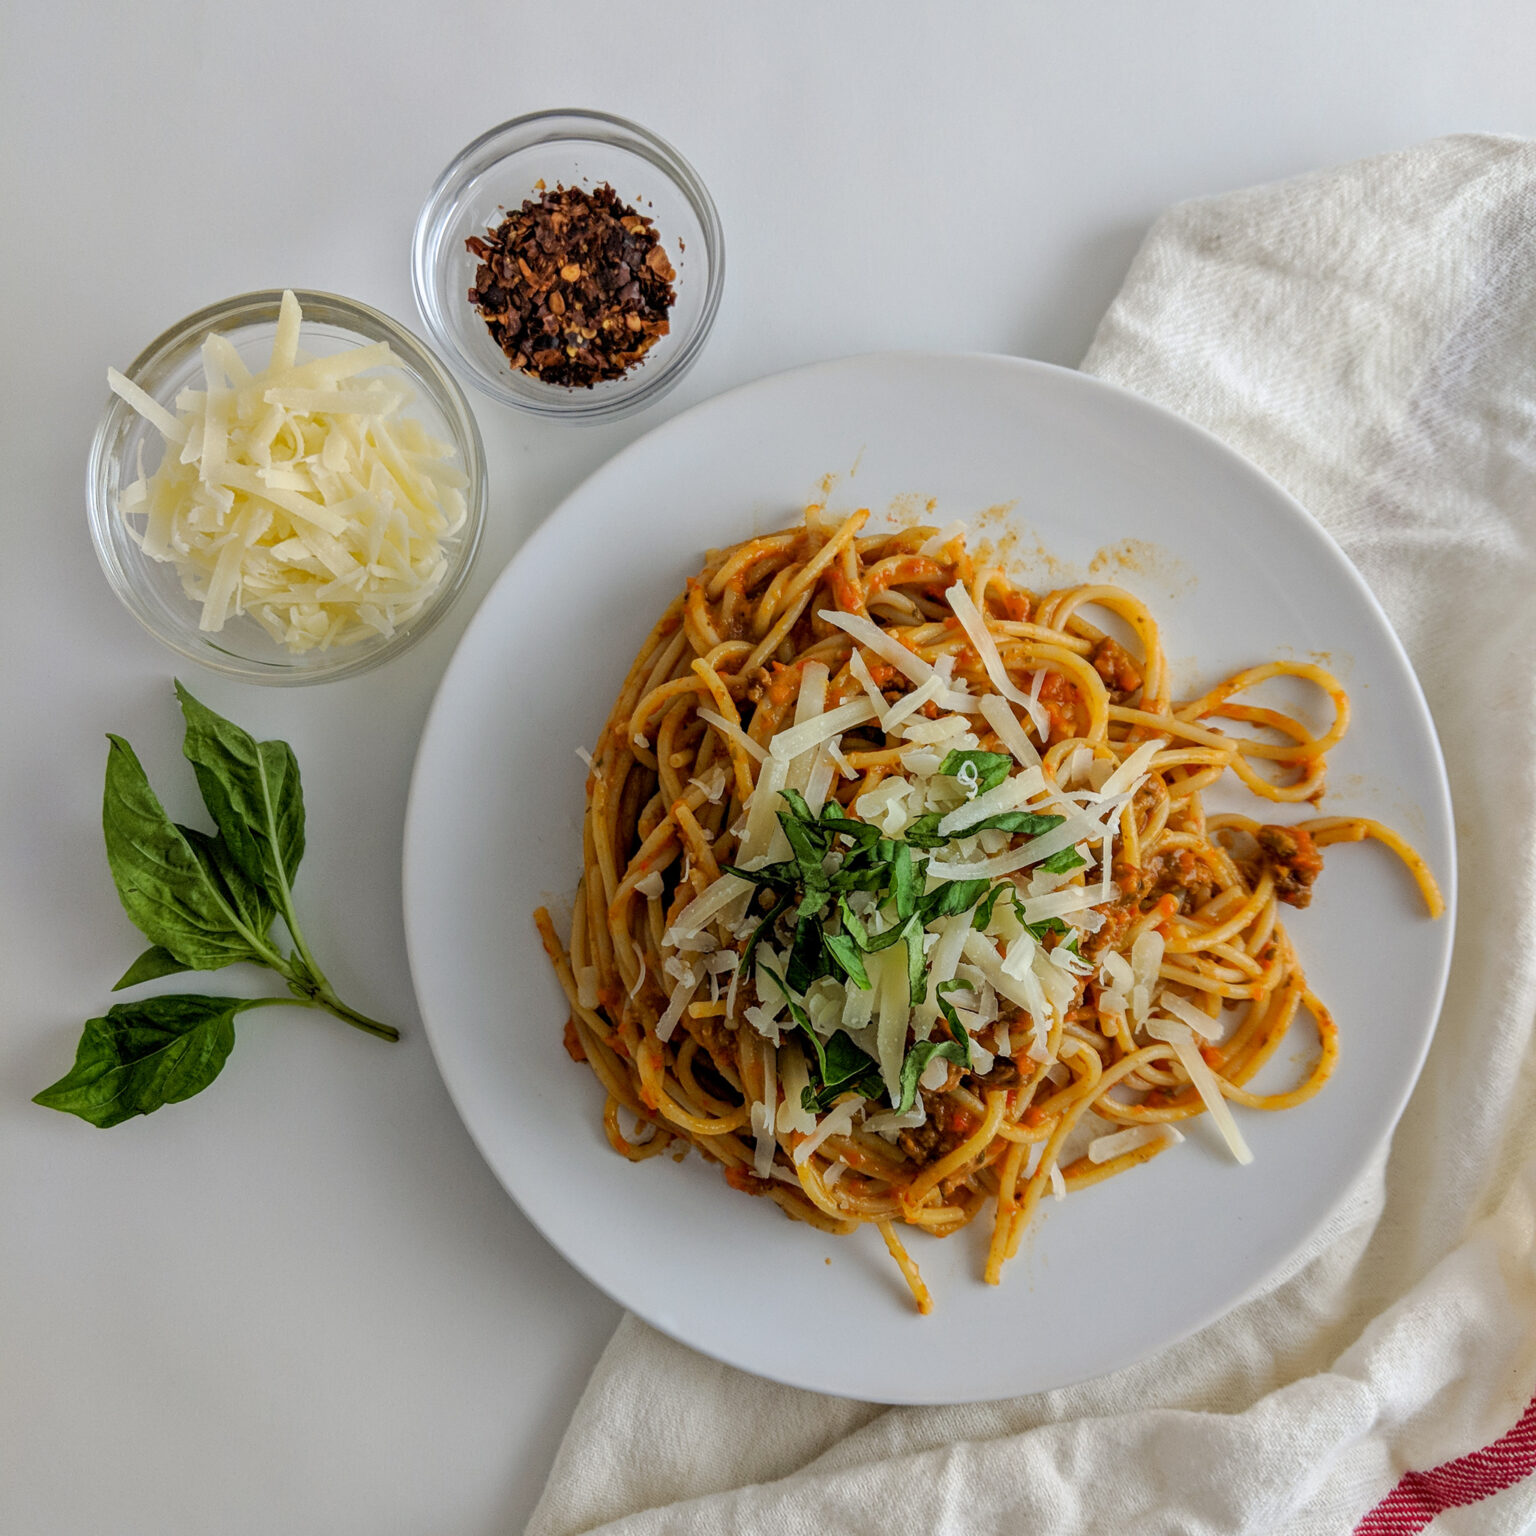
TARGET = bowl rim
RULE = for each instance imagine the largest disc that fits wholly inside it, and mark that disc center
(591, 126)
(257, 307)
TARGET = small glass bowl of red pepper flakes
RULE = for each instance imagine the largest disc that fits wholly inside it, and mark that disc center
(549, 329)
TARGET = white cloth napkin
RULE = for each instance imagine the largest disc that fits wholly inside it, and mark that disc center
(1368, 336)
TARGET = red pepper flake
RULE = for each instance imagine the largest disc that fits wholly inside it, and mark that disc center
(574, 286)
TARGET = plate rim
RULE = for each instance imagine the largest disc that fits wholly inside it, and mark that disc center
(548, 532)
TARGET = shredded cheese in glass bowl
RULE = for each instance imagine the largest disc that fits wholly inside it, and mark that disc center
(286, 487)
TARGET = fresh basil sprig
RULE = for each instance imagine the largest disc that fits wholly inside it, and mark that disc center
(204, 901)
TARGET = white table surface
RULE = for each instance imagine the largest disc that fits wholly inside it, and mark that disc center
(300, 1303)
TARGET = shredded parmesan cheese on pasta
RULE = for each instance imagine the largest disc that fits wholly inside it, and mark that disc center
(1133, 1138)
(1204, 1081)
(811, 733)
(838, 1121)
(733, 733)
(1197, 1019)
(881, 642)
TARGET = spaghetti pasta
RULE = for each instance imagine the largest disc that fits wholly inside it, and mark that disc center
(898, 882)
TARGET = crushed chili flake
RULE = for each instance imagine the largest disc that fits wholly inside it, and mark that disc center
(574, 286)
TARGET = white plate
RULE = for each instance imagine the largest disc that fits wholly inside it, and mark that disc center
(1236, 571)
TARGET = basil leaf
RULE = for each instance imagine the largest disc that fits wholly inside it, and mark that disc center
(917, 1060)
(957, 1050)
(843, 1061)
(1044, 926)
(984, 911)
(253, 793)
(857, 874)
(798, 1014)
(208, 900)
(797, 806)
(952, 898)
(951, 1018)
(836, 822)
(150, 966)
(843, 950)
(841, 1065)
(991, 767)
(906, 878)
(774, 876)
(917, 965)
(249, 901)
(808, 849)
(803, 1024)
(806, 961)
(924, 832)
(890, 936)
(166, 888)
(1060, 863)
(820, 1100)
(142, 1055)
(746, 963)
(852, 925)
(1030, 823)
(837, 1063)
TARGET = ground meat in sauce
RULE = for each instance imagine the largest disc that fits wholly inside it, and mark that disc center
(759, 682)
(935, 1138)
(1113, 663)
(1117, 918)
(716, 1038)
(1004, 1074)
(1293, 860)
(1177, 873)
(748, 1183)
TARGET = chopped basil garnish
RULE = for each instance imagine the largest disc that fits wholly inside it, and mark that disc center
(957, 1049)
(1060, 863)
(832, 855)
(989, 768)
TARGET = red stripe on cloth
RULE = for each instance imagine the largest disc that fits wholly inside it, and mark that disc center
(1420, 1496)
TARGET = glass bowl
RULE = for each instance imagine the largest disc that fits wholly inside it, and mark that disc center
(495, 175)
(152, 590)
